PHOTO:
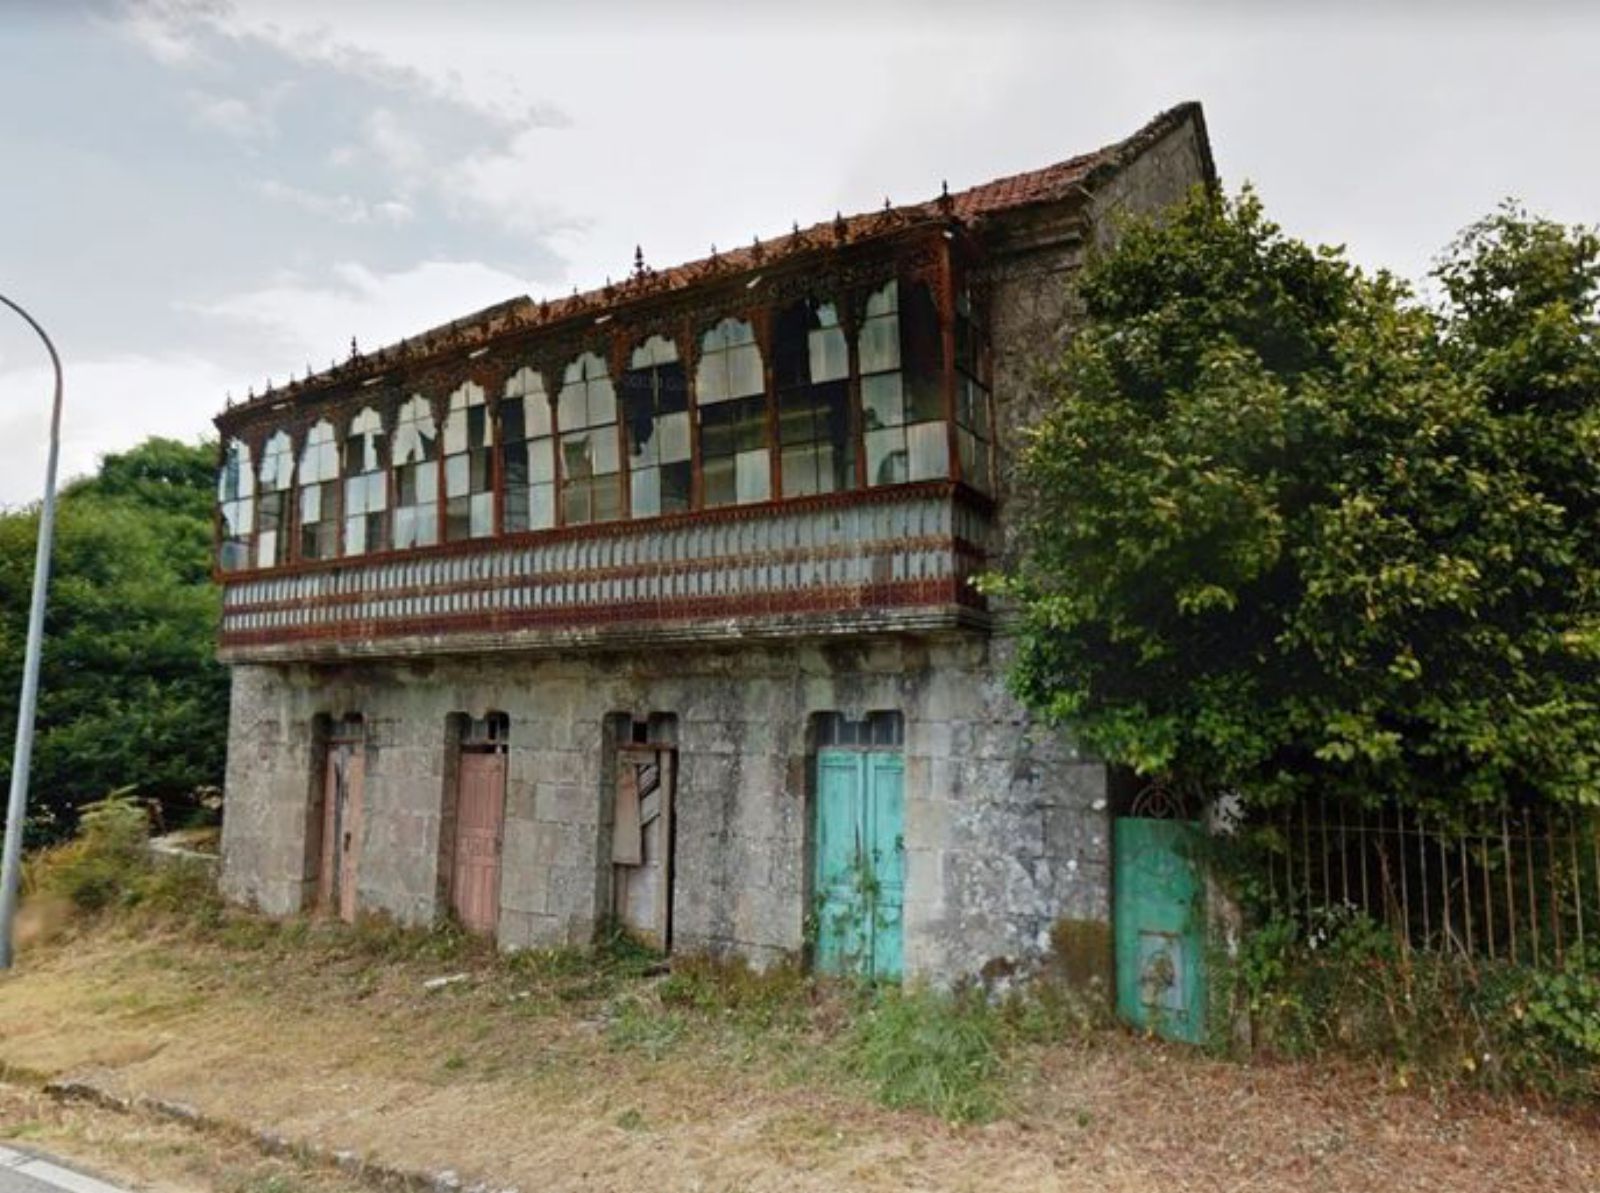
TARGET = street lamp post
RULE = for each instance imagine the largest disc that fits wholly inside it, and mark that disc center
(17, 805)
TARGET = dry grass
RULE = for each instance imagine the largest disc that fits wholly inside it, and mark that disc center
(152, 1154)
(557, 1076)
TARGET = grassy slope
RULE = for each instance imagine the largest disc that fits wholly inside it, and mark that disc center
(557, 1073)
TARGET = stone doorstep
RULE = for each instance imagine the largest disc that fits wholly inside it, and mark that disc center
(366, 1169)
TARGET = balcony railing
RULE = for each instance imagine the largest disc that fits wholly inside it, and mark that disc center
(901, 558)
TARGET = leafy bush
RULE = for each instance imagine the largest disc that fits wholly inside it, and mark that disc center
(107, 861)
(931, 1052)
(1342, 984)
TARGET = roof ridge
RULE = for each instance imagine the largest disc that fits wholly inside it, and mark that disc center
(1045, 184)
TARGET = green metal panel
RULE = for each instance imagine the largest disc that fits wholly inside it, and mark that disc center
(841, 908)
(886, 843)
(860, 862)
(1160, 928)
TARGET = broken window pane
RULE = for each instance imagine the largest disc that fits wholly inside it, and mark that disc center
(730, 388)
(468, 446)
(236, 490)
(366, 486)
(416, 472)
(810, 365)
(277, 476)
(586, 414)
(902, 386)
(529, 453)
(319, 493)
(655, 400)
(974, 419)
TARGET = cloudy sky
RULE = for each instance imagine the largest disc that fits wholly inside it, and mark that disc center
(202, 194)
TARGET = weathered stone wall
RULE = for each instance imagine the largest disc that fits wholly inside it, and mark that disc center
(1005, 831)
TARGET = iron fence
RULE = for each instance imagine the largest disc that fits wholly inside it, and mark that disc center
(1519, 886)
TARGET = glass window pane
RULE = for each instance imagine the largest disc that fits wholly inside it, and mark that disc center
(754, 476)
(482, 514)
(607, 498)
(672, 431)
(515, 462)
(311, 503)
(428, 525)
(881, 401)
(405, 527)
(884, 301)
(880, 345)
(800, 465)
(456, 523)
(513, 423)
(572, 408)
(924, 398)
(427, 483)
(604, 450)
(744, 371)
(974, 459)
(541, 460)
(646, 492)
(577, 460)
(672, 388)
(643, 443)
(542, 506)
(675, 482)
(886, 456)
(929, 445)
(711, 379)
(457, 476)
(355, 536)
(829, 359)
(602, 403)
(717, 480)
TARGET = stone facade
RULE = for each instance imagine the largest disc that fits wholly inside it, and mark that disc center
(1006, 828)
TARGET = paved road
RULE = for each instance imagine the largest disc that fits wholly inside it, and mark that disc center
(25, 1172)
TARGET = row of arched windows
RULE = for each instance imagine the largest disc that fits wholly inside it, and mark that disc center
(643, 444)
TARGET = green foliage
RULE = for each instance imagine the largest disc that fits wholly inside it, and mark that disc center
(1343, 985)
(1283, 529)
(732, 989)
(106, 863)
(927, 1051)
(1559, 1011)
(131, 694)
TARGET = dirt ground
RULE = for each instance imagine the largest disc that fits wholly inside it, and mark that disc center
(515, 1086)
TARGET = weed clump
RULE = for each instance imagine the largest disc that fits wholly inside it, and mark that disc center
(928, 1051)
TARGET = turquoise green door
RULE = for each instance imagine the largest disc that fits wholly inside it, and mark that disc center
(1160, 928)
(860, 862)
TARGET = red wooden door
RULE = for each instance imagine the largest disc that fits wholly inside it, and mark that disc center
(341, 828)
(480, 804)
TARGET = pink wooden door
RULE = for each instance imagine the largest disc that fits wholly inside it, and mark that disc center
(480, 804)
(341, 828)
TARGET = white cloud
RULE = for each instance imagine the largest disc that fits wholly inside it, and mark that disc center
(169, 30)
(393, 144)
(342, 209)
(109, 405)
(231, 115)
(314, 318)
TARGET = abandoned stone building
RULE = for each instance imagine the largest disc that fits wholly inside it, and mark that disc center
(655, 604)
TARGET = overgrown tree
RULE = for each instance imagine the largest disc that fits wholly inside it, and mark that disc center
(131, 694)
(1285, 530)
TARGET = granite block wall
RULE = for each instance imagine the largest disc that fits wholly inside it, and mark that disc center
(1006, 826)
